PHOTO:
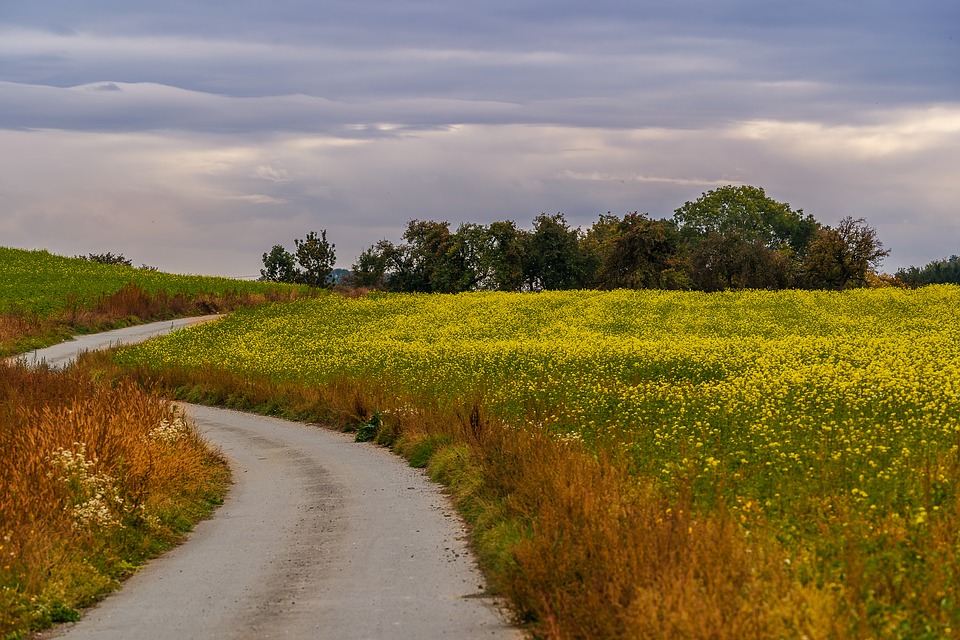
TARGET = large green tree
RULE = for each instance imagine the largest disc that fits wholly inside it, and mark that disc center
(633, 252)
(316, 257)
(279, 265)
(462, 266)
(503, 263)
(553, 256)
(738, 237)
(370, 269)
(427, 242)
(750, 213)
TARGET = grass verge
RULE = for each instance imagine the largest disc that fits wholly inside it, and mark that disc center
(95, 480)
(46, 298)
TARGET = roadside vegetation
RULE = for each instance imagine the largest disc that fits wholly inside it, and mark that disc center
(645, 463)
(45, 298)
(94, 478)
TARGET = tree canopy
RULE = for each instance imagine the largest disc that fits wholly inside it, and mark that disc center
(748, 212)
(311, 263)
(732, 237)
(841, 257)
(944, 271)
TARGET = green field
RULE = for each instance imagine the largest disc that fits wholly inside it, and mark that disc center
(45, 298)
(43, 283)
(824, 426)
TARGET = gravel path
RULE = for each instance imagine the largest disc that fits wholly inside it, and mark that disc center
(64, 353)
(320, 537)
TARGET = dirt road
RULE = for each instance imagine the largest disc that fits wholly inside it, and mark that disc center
(320, 537)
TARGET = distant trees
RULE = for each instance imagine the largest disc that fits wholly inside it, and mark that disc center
(732, 260)
(945, 271)
(311, 263)
(732, 237)
(554, 257)
(370, 269)
(316, 257)
(504, 256)
(635, 252)
(736, 237)
(434, 260)
(117, 259)
(430, 260)
(108, 258)
(747, 212)
(279, 265)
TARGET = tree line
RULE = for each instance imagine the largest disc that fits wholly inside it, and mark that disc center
(733, 237)
(945, 271)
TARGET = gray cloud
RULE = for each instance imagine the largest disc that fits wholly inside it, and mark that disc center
(194, 138)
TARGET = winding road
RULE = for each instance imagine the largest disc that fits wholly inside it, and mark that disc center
(319, 537)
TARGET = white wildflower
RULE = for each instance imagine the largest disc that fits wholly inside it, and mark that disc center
(170, 430)
(96, 499)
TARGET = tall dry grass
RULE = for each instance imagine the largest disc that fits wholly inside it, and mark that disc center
(95, 478)
(582, 549)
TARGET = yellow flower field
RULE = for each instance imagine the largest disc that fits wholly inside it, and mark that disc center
(829, 422)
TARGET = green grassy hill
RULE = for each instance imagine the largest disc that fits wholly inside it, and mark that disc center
(44, 297)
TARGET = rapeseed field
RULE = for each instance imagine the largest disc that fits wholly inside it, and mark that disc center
(821, 430)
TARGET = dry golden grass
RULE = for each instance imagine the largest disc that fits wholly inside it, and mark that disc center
(582, 550)
(13, 326)
(95, 479)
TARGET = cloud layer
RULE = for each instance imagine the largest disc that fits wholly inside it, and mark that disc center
(194, 139)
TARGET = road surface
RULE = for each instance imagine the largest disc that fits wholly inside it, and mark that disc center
(319, 537)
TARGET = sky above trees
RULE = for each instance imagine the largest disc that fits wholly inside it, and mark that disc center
(195, 136)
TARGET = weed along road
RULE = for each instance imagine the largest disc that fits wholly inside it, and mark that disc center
(319, 537)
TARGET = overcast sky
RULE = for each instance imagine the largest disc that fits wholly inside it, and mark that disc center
(194, 136)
